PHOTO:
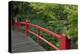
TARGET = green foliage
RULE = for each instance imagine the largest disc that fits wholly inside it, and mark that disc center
(55, 17)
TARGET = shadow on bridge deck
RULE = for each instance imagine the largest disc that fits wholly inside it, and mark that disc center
(20, 43)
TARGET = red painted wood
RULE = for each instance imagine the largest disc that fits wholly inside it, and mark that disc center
(27, 28)
(22, 23)
(64, 42)
(44, 30)
(38, 38)
(47, 42)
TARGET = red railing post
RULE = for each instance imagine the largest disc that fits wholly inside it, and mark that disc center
(38, 38)
(27, 28)
(64, 42)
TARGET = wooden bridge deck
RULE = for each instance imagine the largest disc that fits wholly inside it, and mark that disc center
(20, 43)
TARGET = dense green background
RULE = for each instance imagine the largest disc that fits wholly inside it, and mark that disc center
(59, 18)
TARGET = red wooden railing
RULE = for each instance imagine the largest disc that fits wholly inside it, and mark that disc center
(64, 41)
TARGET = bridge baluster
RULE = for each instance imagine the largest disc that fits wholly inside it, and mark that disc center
(38, 38)
(64, 42)
(27, 28)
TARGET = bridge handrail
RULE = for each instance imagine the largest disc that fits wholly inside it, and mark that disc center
(63, 40)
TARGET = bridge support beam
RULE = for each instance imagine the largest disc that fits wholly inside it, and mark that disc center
(27, 28)
(65, 42)
(38, 38)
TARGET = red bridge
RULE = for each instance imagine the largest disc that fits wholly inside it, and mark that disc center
(64, 41)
